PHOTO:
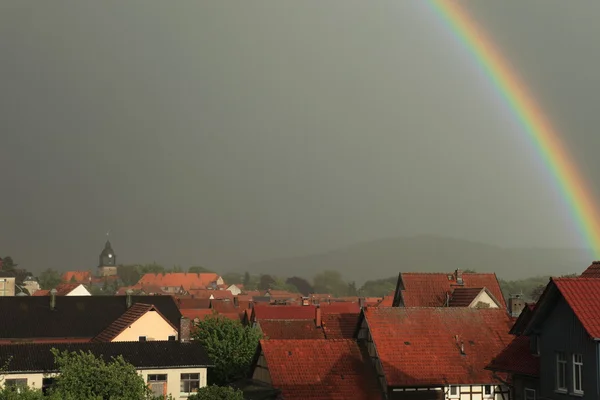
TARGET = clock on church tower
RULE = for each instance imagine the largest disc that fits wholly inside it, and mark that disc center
(108, 261)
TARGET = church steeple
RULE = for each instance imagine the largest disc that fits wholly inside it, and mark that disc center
(107, 257)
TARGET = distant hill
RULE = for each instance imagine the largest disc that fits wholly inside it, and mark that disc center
(386, 257)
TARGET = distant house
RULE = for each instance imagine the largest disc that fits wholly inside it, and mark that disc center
(175, 281)
(175, 368)
(316, 369)
(436, 353)
(77, 277)
(67, 319)
(7, 284)
(234, 289)
(458, 289)
(69, 289)
(31, 285)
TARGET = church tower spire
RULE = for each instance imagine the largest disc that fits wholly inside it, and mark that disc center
(107, 265)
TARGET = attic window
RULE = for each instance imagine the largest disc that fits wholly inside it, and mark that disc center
(472, 343)
(450, 277)
(289, 353)
(142, 338)
(172, 338)
(407, 343)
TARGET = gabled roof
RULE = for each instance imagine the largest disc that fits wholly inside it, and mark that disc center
(417, 289)
(132, 314)
(404, 337)
(593, 271)
(291, 329)
(143, 355)
(186, 280)
(517, 358)
(64, 289)
(188, 302)
(464, 297)
(340, 307)
(80, 276)
(583, 296)
(73, 317)
(319, 369)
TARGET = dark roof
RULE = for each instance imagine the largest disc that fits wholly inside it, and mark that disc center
(7, 274)
(516, 358)
(37, 357)
(73, 316)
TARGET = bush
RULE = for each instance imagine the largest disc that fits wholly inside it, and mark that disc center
(215, 392)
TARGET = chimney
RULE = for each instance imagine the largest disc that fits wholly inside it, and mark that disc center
(459, 276)
(184, 330)
(318, 319)
(236, 301)
(462, 348)
(53, 299)
(128, 297)
(361, 302)
(515, 305)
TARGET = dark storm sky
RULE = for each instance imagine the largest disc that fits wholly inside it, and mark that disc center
(221, 133)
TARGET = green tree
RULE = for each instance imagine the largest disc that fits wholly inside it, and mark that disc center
(87, 377)
(265, 282)
(379, 287)
(230, 344)
(49, 279)
(8, 264)
(177, 268)
(300, 284)
(129, 274)
(232, 277)
(330, 282)
(352, 290)
(246, 279)
(198, 270)
(281, 284)
(153, 268)
(214, 392)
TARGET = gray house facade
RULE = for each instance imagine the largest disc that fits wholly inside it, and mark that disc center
(564, 332)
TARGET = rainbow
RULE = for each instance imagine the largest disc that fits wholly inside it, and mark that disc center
(574, 190)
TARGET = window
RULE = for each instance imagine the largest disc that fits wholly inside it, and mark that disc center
(16, 382)
(158, 384)
(142, 338)
(577, 373)
(487, 390)
(535, 344)
(453, 391)
(47, 384)
(561, 371)
(529, 394)
(172, 338)
(189, 383)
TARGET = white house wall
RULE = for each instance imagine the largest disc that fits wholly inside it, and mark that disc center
(151, 325)
(79, 291)
(466, 392)
(484, 298)
(34, 380)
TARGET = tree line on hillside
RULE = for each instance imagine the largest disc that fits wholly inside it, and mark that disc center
(330, 282)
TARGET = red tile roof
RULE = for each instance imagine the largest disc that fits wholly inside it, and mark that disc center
(203, 313)
(42, 292)
(583, 296)
(421, 346)
(187, 302)
(430, 289)
(340, 326)
(80, 276)
(186, 280)
(223, 306)
(291, 329)
(261, 312)
(319, 369)
(593, 271)
(516, 358)
(132, 314)
(340, 307)
(385, 302)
